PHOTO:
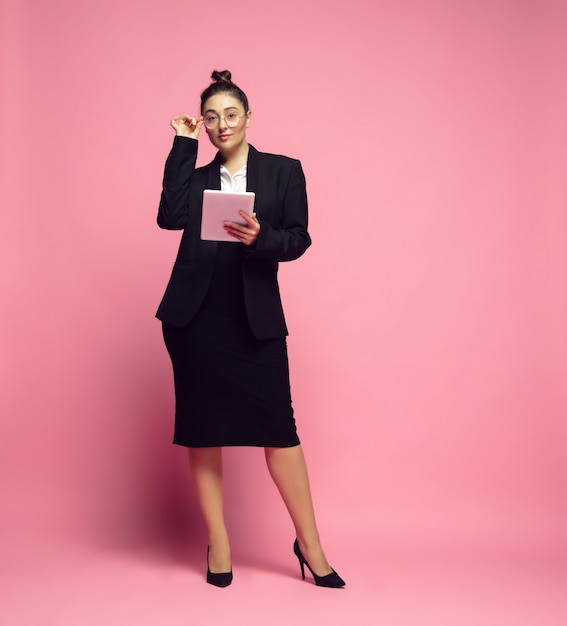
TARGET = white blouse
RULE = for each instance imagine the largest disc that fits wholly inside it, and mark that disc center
(234, 183)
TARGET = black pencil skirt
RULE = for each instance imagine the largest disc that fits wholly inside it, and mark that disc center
(231, 389)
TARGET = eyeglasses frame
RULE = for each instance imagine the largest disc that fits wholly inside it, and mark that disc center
(225, 120)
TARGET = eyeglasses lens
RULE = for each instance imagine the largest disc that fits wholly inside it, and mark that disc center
(231, 120)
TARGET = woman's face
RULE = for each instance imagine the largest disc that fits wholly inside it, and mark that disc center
(222, 136)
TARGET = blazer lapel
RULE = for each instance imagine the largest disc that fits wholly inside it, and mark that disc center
(209, 248)
(213, 178)
(253, 170)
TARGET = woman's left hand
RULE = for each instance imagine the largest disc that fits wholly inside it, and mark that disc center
(246, 234)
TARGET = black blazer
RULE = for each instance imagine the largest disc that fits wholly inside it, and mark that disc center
(281, 209)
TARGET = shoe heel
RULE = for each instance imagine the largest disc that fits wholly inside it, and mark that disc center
(300, 558)
(330, 580)
(302, 566)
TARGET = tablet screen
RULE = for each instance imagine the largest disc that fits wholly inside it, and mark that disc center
(221, 206)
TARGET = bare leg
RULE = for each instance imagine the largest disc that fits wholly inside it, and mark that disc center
(289, 471)
(206, 469)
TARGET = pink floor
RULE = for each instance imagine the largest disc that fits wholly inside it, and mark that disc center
(51, 581)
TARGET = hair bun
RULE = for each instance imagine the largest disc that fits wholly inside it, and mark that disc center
(222, 83)
(222, 77)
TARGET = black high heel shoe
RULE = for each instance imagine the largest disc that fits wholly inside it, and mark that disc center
(330, 580)
(218, 580)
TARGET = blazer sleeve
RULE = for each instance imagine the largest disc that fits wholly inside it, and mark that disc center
(174, 202)
(289, 239)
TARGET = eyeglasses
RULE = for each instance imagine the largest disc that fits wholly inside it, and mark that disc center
(211, 120)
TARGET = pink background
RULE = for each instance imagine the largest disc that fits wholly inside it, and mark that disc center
(428, 338)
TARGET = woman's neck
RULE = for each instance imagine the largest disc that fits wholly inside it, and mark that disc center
(234, 160)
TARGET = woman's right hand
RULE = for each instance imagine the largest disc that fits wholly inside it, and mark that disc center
(187, 126)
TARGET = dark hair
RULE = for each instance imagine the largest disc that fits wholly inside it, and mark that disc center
(223, 84)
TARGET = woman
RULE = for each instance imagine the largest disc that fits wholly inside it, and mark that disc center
(223, 322)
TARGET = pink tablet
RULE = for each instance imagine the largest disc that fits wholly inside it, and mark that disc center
(221, 206)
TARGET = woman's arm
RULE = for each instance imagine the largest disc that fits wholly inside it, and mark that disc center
(291, 239)
(180, 164)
